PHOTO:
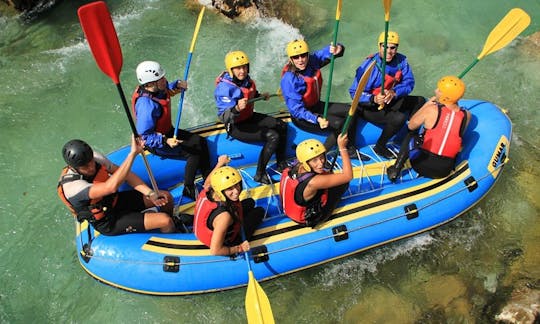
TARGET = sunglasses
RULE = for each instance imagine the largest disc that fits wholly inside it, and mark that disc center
(296, 57)
(389, 47)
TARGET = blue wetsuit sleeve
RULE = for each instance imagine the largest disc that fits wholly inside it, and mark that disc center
(292, 88)
(147, 112)
(226, 97)
(406, 86)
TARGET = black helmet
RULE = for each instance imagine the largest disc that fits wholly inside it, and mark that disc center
(77, 153)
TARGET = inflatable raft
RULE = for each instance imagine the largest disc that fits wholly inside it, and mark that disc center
(373, 212)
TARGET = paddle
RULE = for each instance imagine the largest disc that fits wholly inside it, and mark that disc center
(99, 30)
(515, 21)
(387, 4)
(258, 309)
(262, 98)
(336, 27)
(186, 71)
(357, 93)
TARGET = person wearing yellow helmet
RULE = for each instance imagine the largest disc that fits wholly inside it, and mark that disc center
(444, 123)
(309, 194)
(301, 84)
(392, 108)
(234, 87)
(220, 215)
(151, 104)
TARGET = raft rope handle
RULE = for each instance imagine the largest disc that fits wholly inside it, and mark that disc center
(488, 174)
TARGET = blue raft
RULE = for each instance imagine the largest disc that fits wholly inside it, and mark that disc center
(372, 212)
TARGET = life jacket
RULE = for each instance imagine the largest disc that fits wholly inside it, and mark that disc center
(203, 209)
(389, 81)
(96, 208)
(163, 124)
(248, 93)
(312, 95)
(444, 139)
(288, 184)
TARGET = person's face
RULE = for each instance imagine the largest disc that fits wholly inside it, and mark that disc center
(300, 61)
(233, 193)
(240, 72)
(391, 51)
(317, 163)
(158, 85)
(88, 170)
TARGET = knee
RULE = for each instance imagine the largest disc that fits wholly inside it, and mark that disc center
(398, 119)
(272, 137)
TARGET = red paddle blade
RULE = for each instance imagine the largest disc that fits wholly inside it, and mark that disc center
(99, 30)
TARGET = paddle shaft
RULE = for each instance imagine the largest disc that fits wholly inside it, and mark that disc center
(259, 303)
(354, 104)
(387, 4)
(261, 98)
(134, 131)
(332, 59)
(98, 28)
(186, 71)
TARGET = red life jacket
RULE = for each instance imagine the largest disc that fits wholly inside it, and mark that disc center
(97, 207)
(444, 139)
(389, 81)
(203, 209)
(163, 124)
(312, 95)
(248, 93)
(287, 190)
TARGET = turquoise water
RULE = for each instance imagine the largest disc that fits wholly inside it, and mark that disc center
(52, 91)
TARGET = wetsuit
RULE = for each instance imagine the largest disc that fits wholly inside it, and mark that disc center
(153, 111)
(249, 126)
(394, 114)
(304, 109)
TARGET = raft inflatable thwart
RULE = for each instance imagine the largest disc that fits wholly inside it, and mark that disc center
(374, 211)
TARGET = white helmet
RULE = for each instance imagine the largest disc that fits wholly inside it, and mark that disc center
(149, 71)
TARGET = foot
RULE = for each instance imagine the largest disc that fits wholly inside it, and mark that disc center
(384, 152)
(393, 173)
(354, 154)
(189, 191)
(262, 179)
(182, 222)
(282, 166)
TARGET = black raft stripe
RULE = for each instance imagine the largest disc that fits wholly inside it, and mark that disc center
(294, 227)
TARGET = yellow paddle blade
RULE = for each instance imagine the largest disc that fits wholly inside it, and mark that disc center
(515, 21)
(258, 308)
(360, 88)
(387, 4)
(196, 32)
(338, 10)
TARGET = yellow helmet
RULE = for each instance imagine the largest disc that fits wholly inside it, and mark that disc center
(307, 150)
(297, 47)
(224, 178)
(393, 38)
(234, 59)
(451, 89)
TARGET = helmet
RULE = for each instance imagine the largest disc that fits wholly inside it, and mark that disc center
(297, 47)
(77, 153)
(451, 89)
(235, 59)
(149, 71)
(307, 150)
(393, 38)
(224, 178)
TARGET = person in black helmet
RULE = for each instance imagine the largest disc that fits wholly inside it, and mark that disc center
(89, 186)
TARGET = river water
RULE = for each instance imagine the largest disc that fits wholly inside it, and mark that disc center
(52, 91)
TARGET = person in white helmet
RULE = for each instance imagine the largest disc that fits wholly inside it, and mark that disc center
(151, 102)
